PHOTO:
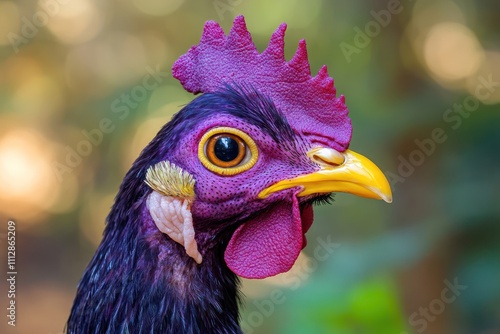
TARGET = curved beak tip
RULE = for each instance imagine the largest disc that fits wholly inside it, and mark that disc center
(383, 190)
(386, 198)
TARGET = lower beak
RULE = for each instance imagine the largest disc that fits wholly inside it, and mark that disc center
(347, 172)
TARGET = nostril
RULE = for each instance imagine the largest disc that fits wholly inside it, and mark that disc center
(327, 156)
(331, 162)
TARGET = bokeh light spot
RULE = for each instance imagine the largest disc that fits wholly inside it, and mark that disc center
(76, 22)
(28, 182)
(23, 171)
(452, 51)
(489, 71)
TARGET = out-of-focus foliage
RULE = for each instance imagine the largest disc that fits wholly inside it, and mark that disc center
(85, 84)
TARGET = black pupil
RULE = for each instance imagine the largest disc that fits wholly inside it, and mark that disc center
(226, 149)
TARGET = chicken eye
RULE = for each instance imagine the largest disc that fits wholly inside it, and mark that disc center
(227, 151)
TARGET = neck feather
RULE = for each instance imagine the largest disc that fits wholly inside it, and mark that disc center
(140, 281)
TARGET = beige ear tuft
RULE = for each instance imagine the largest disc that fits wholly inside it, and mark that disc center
(170, 180)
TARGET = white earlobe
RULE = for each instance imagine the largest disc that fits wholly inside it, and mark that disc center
(172, 216)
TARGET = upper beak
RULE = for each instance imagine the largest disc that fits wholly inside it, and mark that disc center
(348, 172)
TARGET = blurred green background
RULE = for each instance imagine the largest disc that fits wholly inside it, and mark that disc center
(421, 80)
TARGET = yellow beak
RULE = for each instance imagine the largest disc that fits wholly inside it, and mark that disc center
(347, 172)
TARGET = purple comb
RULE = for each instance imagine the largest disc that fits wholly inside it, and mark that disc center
(309, 103)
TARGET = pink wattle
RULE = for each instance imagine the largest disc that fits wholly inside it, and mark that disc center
(270, 243)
